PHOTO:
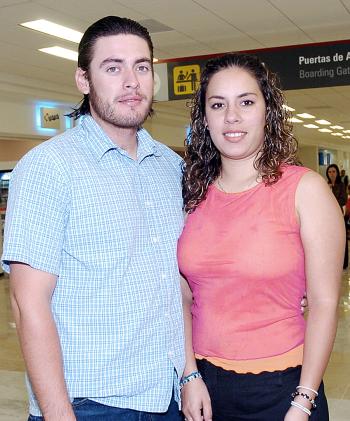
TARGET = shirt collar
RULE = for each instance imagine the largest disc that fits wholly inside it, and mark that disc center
(100, 143)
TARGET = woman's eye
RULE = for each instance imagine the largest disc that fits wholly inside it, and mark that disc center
(247, 102)
(217, 105)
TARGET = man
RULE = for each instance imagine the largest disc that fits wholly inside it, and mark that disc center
(92, 223)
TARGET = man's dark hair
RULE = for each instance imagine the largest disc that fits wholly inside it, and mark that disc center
(105, 27)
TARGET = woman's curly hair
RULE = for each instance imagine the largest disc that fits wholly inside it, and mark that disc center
(202, 163)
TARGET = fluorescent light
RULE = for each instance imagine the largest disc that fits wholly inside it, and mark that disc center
(337, 127)
(346, 131)
(305, 115)
(324, 122)
(310, 126)
(346, 137)
(155, 60)
(54, 29)
(337, 134)
(61, 52)
(325, 130)
(295, 120)
(288, 108)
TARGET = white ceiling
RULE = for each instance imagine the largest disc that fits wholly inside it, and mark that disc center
(197, 27)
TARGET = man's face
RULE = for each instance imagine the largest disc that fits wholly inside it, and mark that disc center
(121, 81)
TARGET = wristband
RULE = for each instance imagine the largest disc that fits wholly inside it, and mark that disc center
(192, 376)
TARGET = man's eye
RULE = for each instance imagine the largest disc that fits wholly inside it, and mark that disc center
(143, 68)
(112, 69)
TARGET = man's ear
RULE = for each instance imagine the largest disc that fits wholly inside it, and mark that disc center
(82, 81)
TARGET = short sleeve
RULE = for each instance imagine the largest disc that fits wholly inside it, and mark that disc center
(37, 212)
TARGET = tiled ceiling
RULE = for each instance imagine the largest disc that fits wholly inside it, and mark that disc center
(184, 28)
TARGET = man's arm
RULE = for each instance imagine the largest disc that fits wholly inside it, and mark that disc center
(30, 292)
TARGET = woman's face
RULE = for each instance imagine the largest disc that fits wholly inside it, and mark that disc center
(235, 113)
(332, 174)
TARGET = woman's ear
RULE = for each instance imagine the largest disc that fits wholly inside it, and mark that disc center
(82, 81)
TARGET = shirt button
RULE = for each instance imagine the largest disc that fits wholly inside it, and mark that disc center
(155, 239)
(148, 203)
(170, 354)
(163, 276)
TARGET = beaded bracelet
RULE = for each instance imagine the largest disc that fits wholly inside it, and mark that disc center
(298, 405)
(305, 396)
(189, 378)
(307, 388)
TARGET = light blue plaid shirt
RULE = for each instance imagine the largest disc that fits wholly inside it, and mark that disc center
(107, 226)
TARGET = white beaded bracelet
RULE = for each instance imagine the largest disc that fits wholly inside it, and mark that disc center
(307, 388)
(298, 405)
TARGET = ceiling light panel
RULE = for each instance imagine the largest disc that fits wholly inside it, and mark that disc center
(305, 115)
(54, 29)
(310, 126)
(325, 130)
(337, 127)
(324, 122)
(61, 52)
(288, 108)
(295, 120)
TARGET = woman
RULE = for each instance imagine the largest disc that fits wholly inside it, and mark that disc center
(339, 190)
(335, 183)
(260, 230)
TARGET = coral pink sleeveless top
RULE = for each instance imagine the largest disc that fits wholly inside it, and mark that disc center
(243, 258)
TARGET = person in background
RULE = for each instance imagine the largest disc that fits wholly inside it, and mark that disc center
(344, 179)
(260, 229)
(336, 184)
(92, 225)
(340, 192)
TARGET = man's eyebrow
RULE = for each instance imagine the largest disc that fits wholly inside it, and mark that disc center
(144, 60)
(110, 60)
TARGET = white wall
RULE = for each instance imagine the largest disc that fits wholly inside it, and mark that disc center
(308, 156)
(20, 119)
(18, 123)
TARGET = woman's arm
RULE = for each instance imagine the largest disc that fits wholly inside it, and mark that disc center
(323, 237)
(195, 396)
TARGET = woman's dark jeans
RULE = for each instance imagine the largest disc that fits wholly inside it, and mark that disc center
(258, 397)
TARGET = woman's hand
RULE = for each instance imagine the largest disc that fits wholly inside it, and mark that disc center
(304, 304)
(196, 404)
(296, 414)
